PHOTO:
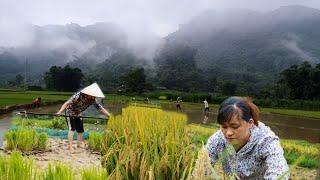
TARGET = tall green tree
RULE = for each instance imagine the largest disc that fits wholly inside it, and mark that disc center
(63, 79)
(316, 81)
(135, 80)
(229, 88)
(300, 82)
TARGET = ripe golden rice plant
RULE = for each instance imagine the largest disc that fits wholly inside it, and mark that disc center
(203, 169)
(147, 143)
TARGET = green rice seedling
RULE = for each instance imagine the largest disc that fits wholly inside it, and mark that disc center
(308, 154)
(95, 141)
(94, 174)
(3, 167)
(30, 122)
(16, 167)
(24, 139)
(24, 97)
(19, 168)
(21, 138)
(308, 162)
(58, 172)
(58, 123)
(11, 139)
(42, 141)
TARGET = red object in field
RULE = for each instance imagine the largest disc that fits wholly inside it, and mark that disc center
(37, 102)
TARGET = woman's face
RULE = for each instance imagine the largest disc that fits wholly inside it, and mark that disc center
(237, 131)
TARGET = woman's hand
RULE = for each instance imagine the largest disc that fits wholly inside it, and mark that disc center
(105, 112)
(58, 114)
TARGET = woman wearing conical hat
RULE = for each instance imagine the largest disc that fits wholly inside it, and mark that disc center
(79, 102)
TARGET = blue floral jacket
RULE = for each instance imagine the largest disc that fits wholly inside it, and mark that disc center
(261, 158)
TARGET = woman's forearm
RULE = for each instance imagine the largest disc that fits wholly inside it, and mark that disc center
(104, 111)
(63, 107)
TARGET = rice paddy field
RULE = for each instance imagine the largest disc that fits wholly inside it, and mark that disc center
(20, 97)
(143, 141)
(140, 143)
(12, 97)
(298, 113)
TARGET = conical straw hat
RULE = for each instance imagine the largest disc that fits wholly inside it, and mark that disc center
(93, 90)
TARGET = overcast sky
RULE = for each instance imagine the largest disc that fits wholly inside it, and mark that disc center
(159, 16)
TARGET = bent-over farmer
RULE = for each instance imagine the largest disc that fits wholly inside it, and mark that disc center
(79, 102)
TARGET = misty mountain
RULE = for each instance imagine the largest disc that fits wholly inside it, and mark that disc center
(246, 47)
(10, 66)
(110, 71)
(78, 46)
(242, 45)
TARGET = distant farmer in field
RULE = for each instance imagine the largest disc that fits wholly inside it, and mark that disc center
(206, 111)
(247, 148)
(36, 102)
(147, 100)
(178, 104)
(79, 102)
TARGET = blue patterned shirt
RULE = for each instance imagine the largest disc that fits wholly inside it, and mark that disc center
(260, 158)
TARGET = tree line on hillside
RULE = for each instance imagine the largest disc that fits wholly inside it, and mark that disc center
(297, 82)
(71, 79)
(63, 79)
(175, 69)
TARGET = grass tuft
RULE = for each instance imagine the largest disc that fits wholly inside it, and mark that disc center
(25, 139)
